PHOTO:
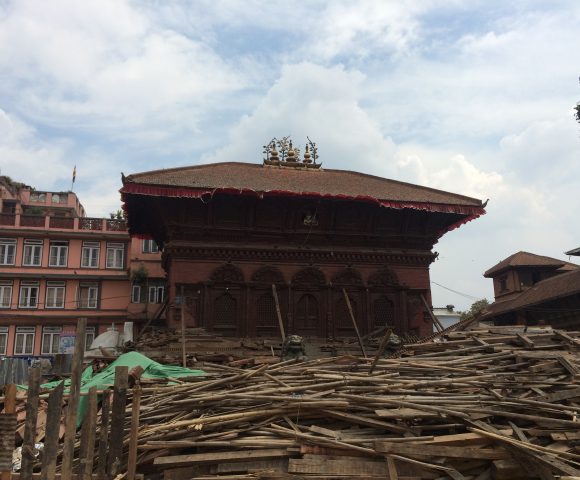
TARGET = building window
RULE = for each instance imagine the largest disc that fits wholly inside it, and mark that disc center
(90, 255)
(115, 255)
(32, 253)
(55, 295)
(149, 246)
(5, 294)
(3, 340)
(24, 341)
(59, 198)
(88, 295)
(7, 251)
(89, 337)
(50, 340)
(58, 254)
(156, 294)
(28, 295)
(38, 197)
(136, 294)
(502, 283)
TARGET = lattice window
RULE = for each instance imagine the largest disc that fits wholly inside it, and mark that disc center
(267, 319)
(225, 312)
(383, 312)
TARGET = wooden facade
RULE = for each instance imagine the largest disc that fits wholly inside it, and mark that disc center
(228, 247)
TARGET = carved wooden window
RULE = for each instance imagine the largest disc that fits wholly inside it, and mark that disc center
(309, 276)
(342, 318)
(306, 315)
(227, 274)
(267, 319)
(225, 313)
(383, 312)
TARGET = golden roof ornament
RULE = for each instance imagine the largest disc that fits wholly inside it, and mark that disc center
(282, 153)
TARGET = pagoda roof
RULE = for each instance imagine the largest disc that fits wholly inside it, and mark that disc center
(265, 180)
(526, 259)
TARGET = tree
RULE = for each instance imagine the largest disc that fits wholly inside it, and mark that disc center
(118, 215)
(476, 309)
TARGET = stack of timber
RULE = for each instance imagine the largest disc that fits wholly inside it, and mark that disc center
(166, 346)
(482, 404)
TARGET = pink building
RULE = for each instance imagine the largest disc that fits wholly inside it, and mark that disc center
(57, 265)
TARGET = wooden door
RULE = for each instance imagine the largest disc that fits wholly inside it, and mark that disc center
(306, 316)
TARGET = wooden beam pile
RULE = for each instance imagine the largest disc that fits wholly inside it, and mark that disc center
(481, 404)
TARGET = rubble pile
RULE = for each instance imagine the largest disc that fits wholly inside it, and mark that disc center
(496, 403)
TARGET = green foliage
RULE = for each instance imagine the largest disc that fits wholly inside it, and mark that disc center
(140, 275)
(477, 307)
(118, 215)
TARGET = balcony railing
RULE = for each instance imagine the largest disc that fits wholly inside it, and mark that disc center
(62, 222)
(7, 219)
(32, 221)
(87, 223)
(116, 225)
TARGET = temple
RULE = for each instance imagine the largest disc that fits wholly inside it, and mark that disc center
(249, 246)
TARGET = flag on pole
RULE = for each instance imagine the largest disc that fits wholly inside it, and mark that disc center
(74, 174)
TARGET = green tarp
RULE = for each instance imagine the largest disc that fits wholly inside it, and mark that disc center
(106, 377)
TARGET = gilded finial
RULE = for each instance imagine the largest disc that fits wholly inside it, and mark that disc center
(307, 158)
(291, 153)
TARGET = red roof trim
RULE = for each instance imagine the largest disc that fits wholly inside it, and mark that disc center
(471, 212)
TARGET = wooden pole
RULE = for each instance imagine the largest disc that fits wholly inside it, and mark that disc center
(435, 320)
(30, 423)
(104, 436)
(70, 423)
(134, 434)
(89, 437)
(115, 459)
(381, 349)
(8, 431)
(53, 416)
(280, 322)
(360, 342)
(184, 357)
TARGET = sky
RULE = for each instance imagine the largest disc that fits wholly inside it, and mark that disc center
(472, 97)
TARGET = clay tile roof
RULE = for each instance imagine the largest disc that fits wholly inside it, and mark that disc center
(524, 259)
(262, 179)
(552, 288)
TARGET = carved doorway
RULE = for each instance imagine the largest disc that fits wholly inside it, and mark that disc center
(306, 316)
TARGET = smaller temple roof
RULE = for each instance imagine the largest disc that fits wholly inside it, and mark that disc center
(552, 288)
(525, 259)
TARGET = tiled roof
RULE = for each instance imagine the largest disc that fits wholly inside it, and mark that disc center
(552, 288)
(524, 259)
(294, 181)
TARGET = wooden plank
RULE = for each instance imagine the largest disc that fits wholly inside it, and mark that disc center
(326, 466)
(133, 435)
(182, 320)
(88, 439)
(28, 442)
(431, 451)
(381, 349)
(8, 431)
(73, 401)
(525, 340)
(434, 319)
(104, 436)
(392, 468)
(53, 423)
(404, 413)
(561, 395)
(354, 324)
(217, 457)
(278, 313)
(115, 457)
